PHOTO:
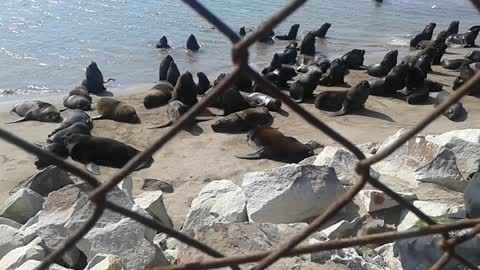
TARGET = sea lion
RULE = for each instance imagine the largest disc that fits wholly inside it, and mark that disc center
(465, 40)
(77, 102)
(94, 79)
(285, 74)
(335, 74)
(289, 55)
(164, 66)
(426, 34)
(175, 110)
(454, 64)
(330, 100)
(244, 82)
(93, 151)
(382, 69)
(243, 121)
(203, 83)
(173, 73)
(453, 27)
(415, 78)
(304, 86)
(304, 68)
(466, 73)
(397, 76)
(192, 43)
(36, 111)
(292, 34)
(261, 100)
(163, 43)
(424, 62)
(158, 96)
(323, 63)
(271, 143)
(440, 51)
(354, 59)
(355, 98)
(267, 38)
(433, 86)
(322, 31)
(418, 95)
(274, 64)
(307, 47)
(242, 31)
(453, 112)
(81, 91)
(230, 101)
(382, 88)
(185, 90)
(441, 37)
(109, 108)
(74, 116)
(473, 56)
(271, 77)
(470, 197)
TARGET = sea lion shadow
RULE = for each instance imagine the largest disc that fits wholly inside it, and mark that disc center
(441, 74)
(373, 114)
(105, 93)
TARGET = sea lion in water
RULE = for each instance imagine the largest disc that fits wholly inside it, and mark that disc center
(453, 112)
(274, 64)
(453, 27)
(466, 73)
(203, 83)
(271, 143)
(304, 86)
(109, 108)
(355, 98)
(289, 55)
(441, 37)
(307, 46)
(94, 79)
(164, 66)
(382, 69)
(285, 73)
(454, 64)
(74, 116)
(473, 56)
(354, 59)
(185, 90)
(36, 111)
(335, 74)
(243, 121)
(158, 96)
(175, 110)
(173, 73)
(426, 34)
(93, 151)
(262, 100)
(192, 43)
(163, 43)
(330, 100)
(322, 31)
(242, 31)
(465, 40)
(292, 34)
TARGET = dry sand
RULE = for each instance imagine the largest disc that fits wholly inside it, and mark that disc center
(190, 161)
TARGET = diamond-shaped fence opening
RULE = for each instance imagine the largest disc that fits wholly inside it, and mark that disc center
(288, 248)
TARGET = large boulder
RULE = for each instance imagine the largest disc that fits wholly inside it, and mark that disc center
(290, 194)
(470, 135)
(152, 202)
(31, 264)
(218, 202)
(106, 262)
(18, 256)
(11, 238)
(374, 200)
(45, 181)
(432, 209)
(9, 222)
(22, 205)
(419, 160)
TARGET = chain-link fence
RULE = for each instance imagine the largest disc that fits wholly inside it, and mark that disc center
(288, 248)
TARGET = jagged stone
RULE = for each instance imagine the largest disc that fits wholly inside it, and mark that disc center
(106, 262)
(432, 209)
(9, 222)
(387, 254)
(343, 228)
(152, 202)
(126, 185)
(22, 205)
(15, 258)
(374, 200)
(154, 185)
(11, 238)
(45, 181)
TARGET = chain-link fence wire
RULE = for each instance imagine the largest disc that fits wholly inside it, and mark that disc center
(289, 247)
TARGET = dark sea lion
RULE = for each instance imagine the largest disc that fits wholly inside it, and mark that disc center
(354, 59)
(274, 64)
(355, 98)
(410, 59)
(307, 46)
(397, 76)
(381, 88)
(175, 110)
(441, 37)
(244, 82)
(243, 121)
(473, 56)
(415, 78)
(454, 64)
(203, 83)
(73, 117)
(465, 40)
(163, 43)
(433, 86)
(466, 73)
(93, 151)
(185, 90)
(271, 143)
(173, 73)
(289, 55)
(262, 100)
(230, 101)
(266, 38)
(322, 31)
(36, 111)
(164, 66)
(94, 79)
(109, 108)
(382, 69)
(158, 96)
(304, 68)
(470, 197)
(242, 31)
(440, 51)
(424, 62)
(81, 91)
(304, 86)
(426, 34)
(285, 73)
(271, 77)
(453, 112)
(418, 95)
(330, 100)
(77, 102)
(192, 43)
(323, 63)
(335, 75)
(292, 34)
(453, 27)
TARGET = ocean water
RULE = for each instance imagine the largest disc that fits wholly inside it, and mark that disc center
(45, 45)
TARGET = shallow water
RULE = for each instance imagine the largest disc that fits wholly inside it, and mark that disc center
(45, 45)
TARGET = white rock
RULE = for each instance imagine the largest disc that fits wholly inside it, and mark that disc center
(421, 160)
(22, 205)
(343, 229)
(152, 202)
(45, 181)
(106, 262)
(432, 209)
(387, 254)
(470, 135)
(11, 238)
(343, 162)
(374, 200)
(289, 194)
(18, 256)
(171, 255)
(369, 148)
(126, 185)
(31, 264)
(9, 222)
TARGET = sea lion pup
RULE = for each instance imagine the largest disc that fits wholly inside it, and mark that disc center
(330, 100)
(292, 34)
(164, 66)
(289, 55)
(322, 31)
(98, 151)
(109, 108)
(335, 74)
(175, 110)
(453, 112)
(173, 73)
(470, 197)
(465, 40)
(203, 83)
(473, 56)
(274, 64)
(94, 79)
(185, 90)
(304, 86)
(354, 59)
(441, 37)
(243, 121)
(285, 74)
(466, 73)
(426, 34)
(163, 43)
(307, 46)
(273, 144)
(382, 69)
(433, 86)
(192, 43)
(454, 64)
(261, 100)
(453, 27)
(158, 96)
(74, 116)
(242, 31)
(355, 98)
(36, 111)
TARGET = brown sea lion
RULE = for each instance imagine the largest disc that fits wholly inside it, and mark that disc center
(330, 100)
(36, 111)
(304, 86)
(77, 102)
(185, 90)
(158, 96)
(243, 121)
(455, 111)
(109, 108)
(355, 98)
(175, 110)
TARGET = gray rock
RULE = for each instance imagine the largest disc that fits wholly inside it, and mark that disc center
(21, 206)
(154, 184)
(45, 181)
(9, 222)
(15, 258)
(432, 209)
(374, 200)
(343, 228)
(387, 254)
(470, 135)
(31, 264)
(126, 185)
(106, 262)
(11, 238)
(152, 202)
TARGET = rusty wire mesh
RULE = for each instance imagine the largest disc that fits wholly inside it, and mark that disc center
(289, 247)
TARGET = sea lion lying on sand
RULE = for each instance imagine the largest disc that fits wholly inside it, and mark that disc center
(243, 121)
(109, 108)
(36, 111)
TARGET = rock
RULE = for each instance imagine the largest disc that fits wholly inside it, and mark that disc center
(9, 222)
(106, 262)
(160, 240)
(45, 181)
(218, 202)
(31, 264)
(369, 148)
(308, 161)
(344, 228)
(152, 202)
(343, 162)
(470, 135)
(154, 184)
(421, 160)
(388, 255)
(11, 238)
(432, 209)
(171, 255)
(22, 205)
(285, 194)
(18, 256)
(126, 185)
(374, 200)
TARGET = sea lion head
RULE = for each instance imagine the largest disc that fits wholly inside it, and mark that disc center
(50, 114)
(127, 113)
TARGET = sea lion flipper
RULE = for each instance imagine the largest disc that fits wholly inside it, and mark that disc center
(256, 155)
(162, 125)
(343, 110)
(25, 118)
(98, 117)
(92, 168)
(204, 118)
(62, 109)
